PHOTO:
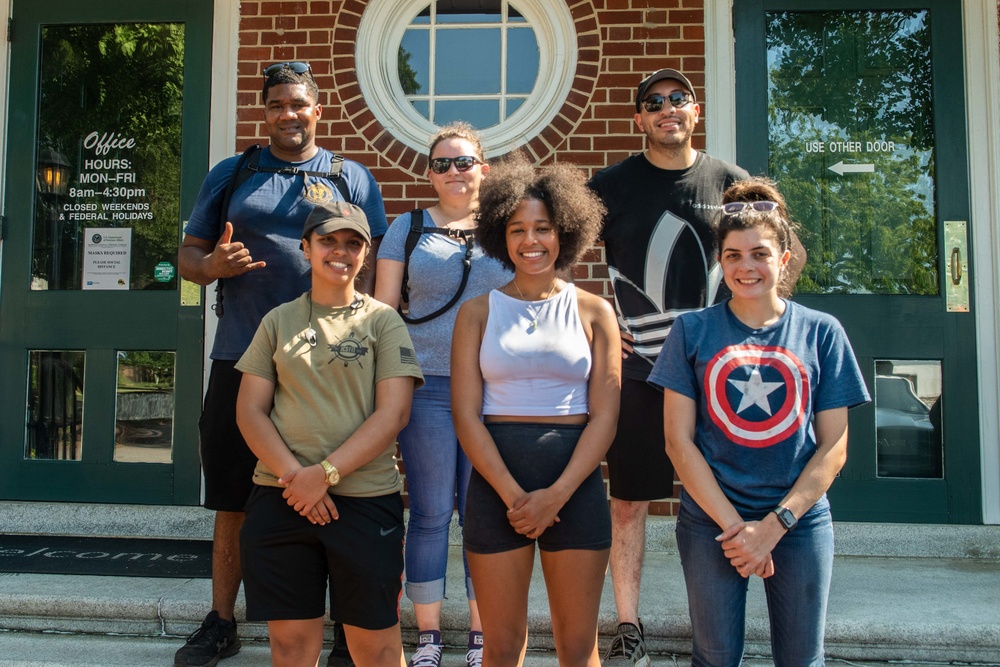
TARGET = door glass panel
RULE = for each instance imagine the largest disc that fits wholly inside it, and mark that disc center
(107, 208)
(908, 419)
(144, 414)
(55, 405)
(851, 144)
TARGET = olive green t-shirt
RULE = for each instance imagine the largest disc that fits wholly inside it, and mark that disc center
(323, 393)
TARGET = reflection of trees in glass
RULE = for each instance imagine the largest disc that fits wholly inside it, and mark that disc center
(407, 75)
(145, 369)
(860, 77)
(122, 79)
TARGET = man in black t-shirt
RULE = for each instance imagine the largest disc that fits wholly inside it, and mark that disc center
(661, 260)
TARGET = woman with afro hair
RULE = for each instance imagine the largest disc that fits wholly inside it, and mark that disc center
(536, 375)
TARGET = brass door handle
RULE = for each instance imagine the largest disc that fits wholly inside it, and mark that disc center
(956, 266)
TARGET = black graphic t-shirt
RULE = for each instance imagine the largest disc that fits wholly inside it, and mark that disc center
(659, 245)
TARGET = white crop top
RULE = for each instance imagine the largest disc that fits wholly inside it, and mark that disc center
(535, 358)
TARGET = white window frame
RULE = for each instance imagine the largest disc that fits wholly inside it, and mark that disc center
(381, 31)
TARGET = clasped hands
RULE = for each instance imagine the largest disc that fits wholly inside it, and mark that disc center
(306, 491)
(748, 546)
(533, 512)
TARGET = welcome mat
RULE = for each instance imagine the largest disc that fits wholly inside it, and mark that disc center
(108, 556)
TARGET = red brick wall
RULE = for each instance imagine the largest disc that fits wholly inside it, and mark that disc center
(619, 41)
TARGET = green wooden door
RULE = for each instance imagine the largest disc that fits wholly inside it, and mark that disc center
(100, 389)
(859, 115)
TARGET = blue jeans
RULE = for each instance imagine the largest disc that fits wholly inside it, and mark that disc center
(436, 470)
(797, 593)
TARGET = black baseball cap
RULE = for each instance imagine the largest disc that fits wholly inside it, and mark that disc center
(660, 75)
(330, 216)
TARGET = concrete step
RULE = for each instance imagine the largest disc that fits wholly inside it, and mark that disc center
(929, 594)
(911, 609)
(38, 650)
(155, 521)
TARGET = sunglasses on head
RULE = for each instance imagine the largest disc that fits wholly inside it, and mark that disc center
(297, 67)
(737, 207)
(441, 165)
(677, 99)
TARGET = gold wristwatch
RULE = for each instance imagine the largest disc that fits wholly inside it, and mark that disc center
(332, 474)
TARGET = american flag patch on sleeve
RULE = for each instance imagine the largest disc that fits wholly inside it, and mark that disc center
(407, 356)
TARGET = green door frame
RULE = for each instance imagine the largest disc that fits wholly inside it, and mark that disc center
(99, 322)
(892, 327)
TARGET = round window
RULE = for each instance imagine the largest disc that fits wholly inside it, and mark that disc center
(504, 66)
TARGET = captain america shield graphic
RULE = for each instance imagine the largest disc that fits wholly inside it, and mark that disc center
(757, 395)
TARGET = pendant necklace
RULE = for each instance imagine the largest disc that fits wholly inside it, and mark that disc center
(533, 325)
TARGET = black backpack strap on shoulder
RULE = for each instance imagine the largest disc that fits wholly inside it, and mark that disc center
(336, 173)
(242, 172)
(412, 239)
(417, 229)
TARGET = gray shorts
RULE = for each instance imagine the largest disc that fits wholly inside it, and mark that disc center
(536, 454)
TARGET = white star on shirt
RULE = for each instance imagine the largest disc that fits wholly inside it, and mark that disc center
(755, 391)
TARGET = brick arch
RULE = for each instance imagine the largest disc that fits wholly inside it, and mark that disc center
(541, 147)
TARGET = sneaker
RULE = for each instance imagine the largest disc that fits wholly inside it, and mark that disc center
(474, 658)
(428, 653)
(339, 655)
(214, 640)
(628, 648)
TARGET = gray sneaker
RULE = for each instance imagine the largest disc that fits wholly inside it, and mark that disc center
(628, 649)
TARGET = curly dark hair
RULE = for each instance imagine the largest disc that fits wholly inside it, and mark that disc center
(573, 207)
(286, 75)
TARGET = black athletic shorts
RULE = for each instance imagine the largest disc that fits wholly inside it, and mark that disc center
(226, 459)
(536, 454)
(638, 466)
(287, 561)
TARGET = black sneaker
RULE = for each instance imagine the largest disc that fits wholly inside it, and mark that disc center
(339, 655)
(214, 640)
(628, 649)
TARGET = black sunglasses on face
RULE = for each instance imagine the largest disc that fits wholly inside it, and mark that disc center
(297, 67)
(441, 165)
(737, 207)
(677, 99)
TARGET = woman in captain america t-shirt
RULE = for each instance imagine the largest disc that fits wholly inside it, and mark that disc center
(756, 393)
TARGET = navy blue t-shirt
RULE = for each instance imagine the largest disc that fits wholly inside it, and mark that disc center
(757, 391)
(267, 212)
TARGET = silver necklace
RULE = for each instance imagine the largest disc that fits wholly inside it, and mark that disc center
(533, 325)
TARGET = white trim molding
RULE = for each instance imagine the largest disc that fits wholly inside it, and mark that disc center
(720, 80)
(982, 86)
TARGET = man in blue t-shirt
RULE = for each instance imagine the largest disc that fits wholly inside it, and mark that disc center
(258, 256)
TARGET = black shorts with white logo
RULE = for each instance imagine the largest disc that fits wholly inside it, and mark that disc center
(287, 561)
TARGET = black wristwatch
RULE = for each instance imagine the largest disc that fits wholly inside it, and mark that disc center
(786, 518)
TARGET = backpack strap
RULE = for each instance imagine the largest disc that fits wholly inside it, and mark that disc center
(417, 229)
(247, 166)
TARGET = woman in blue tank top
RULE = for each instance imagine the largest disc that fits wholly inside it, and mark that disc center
(756, 393)
(536, 375)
